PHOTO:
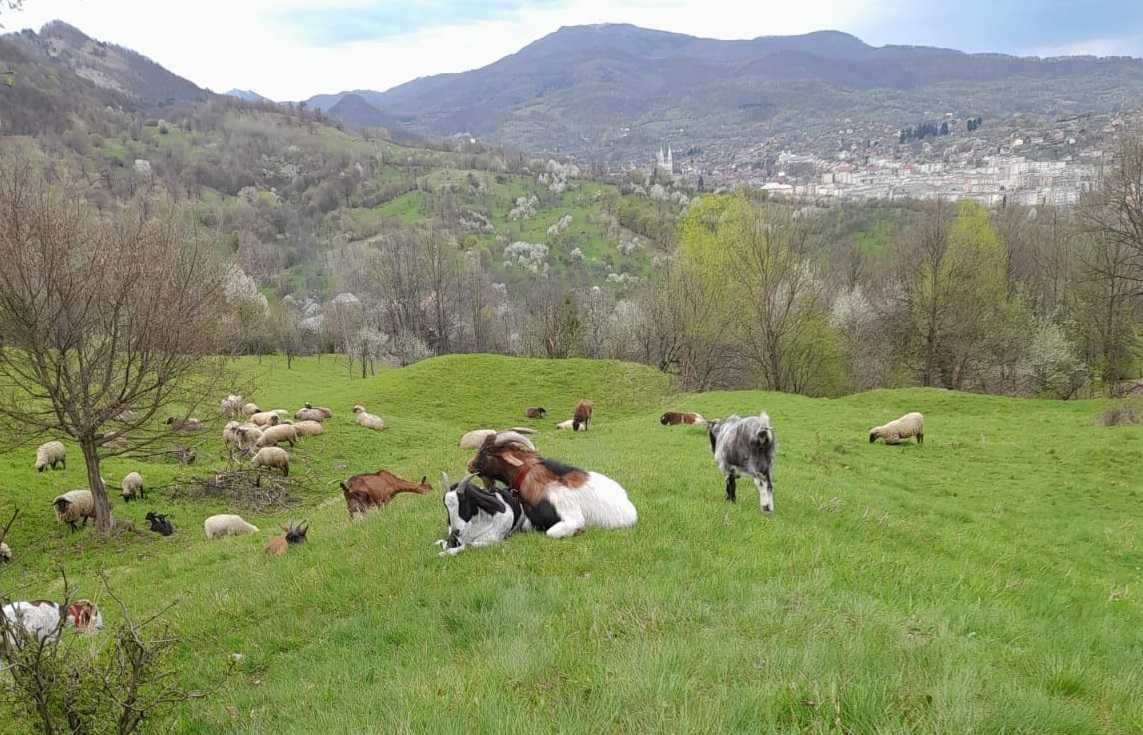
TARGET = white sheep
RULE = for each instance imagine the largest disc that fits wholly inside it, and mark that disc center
(5, 552)
(227, 524)
(570, 425)
(73, 506)
(51, 454)
(273, 457)
(277, 434)
(43, 620)
(908, 426)
(325, 411)
(308, 428)
(250, 409)
(248, 437)
(188, 424)
(473, 439)
(265, 418)
(368, 420)
(232, 406)
(310, 414)
(132, 487)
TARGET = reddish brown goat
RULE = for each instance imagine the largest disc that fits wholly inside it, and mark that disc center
(582, 415)
(674, 418)
(521, 469)
(363, 493)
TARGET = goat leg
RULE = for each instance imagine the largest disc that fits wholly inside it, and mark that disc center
(731, 489)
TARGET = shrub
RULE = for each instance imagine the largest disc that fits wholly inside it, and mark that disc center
(1127, 412)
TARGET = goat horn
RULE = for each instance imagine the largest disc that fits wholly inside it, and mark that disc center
(509, 437)
(444, 482)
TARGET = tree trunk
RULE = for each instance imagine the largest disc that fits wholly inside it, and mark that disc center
(103, 521)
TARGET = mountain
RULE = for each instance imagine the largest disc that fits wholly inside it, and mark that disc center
(248, 95)
(618, 91)
(355, 113)
(106, 65)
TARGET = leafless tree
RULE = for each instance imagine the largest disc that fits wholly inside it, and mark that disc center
(106, 322)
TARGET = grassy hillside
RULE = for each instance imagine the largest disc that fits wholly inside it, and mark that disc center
(983, 583)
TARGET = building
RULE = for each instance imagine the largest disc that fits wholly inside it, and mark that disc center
(665, 164)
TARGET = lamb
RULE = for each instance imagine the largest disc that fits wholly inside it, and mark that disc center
(250, 409)
(44, 621)
(73, 506)
(571, 425)
(132, 486)
(908, 426)
(159, 523)
(50, 454)
(274, 458)
(183, 425)
(226, 524)
(558, 499)
(278, 434)
(232, 406)
(477, 517)
(364, 493)
(368, 420)
(674, 418)
(535, 413)
(582, 415)
(308, 428)
(745, 445)
(293, 534)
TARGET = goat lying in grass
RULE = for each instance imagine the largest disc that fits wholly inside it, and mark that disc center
(558, 499)
(478, 517)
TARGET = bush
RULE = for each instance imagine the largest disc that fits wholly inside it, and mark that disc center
(1127, 412)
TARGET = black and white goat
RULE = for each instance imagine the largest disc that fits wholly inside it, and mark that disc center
(746, 446)
(478, 517)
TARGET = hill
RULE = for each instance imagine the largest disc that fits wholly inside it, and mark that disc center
(618, 91)
(981, 583)
(248, 95)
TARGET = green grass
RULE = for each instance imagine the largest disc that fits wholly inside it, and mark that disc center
(985, 583)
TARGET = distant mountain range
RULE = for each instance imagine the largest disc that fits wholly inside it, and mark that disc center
(617, 91)
(248, 95)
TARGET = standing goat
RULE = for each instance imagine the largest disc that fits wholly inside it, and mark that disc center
(582, 416)
(363, 493)
(558, 499)
(478, 517)
(745, 445)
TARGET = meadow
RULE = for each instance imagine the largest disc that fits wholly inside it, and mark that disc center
(987, 582)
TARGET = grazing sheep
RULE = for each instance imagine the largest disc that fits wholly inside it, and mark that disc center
(5, 552)
(273, 457)
(364, 493)
(908, 426)
(44, 620)
(570, 425)
(278, 434)
(248, 437)
(308, 428)
(132, 487)
(227, 524)
(294, 534)
(582, 416)
(250, 409)
(368, 420)
(558, 499)
(477, 517)
(536, 413)
(50, 454)
(232, 406)
(159, 523)
(74, 506)
(745, 445)
(232, 438)
(674, 418)
(183, 425)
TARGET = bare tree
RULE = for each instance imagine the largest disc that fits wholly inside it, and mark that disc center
(105, 322)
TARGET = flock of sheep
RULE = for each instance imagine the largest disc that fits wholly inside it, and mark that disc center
(519, 490)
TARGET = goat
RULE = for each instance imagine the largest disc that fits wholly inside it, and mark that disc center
(42, 620)
(363, 493)
(478, 517)
(674, 418)
(745, 445)
(294, 533)
(159, 523)
(558, 499)
(536, 412)
(582, 415)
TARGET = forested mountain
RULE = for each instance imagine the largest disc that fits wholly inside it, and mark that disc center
(617, 91)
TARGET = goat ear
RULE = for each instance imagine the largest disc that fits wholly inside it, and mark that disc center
(486, 501)
(512, 459)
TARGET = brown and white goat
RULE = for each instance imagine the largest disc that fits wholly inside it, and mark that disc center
(674, 418)
(582, 415)
(558, 499)
(363, 493)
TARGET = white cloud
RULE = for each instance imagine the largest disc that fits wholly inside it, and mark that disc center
(242, 43)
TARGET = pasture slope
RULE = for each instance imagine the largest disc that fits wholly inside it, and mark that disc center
(988, 582)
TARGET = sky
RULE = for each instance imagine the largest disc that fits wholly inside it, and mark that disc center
(293, 49)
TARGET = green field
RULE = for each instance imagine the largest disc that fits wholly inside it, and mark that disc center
(988, 582)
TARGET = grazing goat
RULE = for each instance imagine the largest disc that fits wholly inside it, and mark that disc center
(745, 445)
(674, 418)
(159, 523)
(295, 533)
(363, 493)
(536, 412)
(582, 415)
(558, 499)
(478, 517)
(43, 620)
